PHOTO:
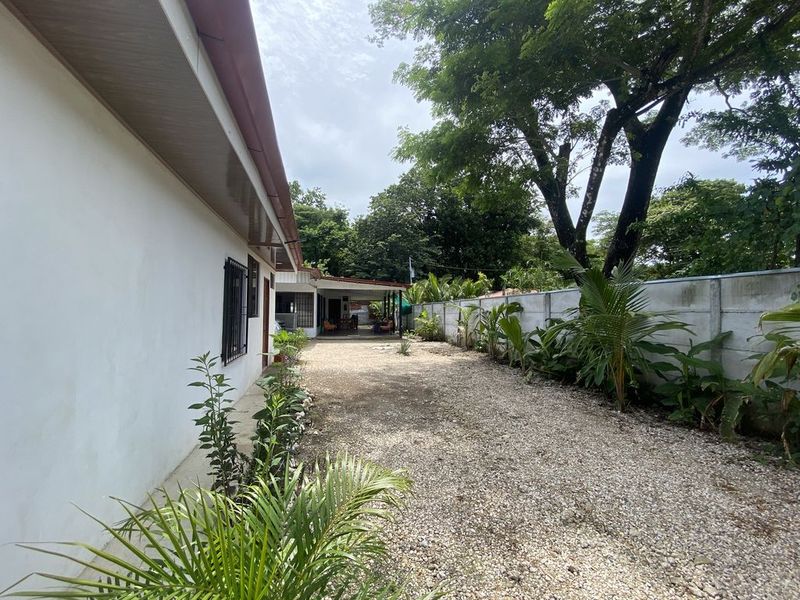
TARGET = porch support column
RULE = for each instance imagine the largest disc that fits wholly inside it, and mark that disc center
(394, 312)
(400, 314)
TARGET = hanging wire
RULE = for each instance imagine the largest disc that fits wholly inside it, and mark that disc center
(464, 269)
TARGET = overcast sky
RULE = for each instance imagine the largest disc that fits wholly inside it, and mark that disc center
(337, 110)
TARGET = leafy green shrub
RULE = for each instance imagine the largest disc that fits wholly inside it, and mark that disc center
(429, 328)
(375, 310)
(278, 425)
(216, 435)
(289, 344)
(538, 278)
(611, 330)
(696, 389)
(289, 539)
(550, 353)
(300, 339)
(405, 347)
(489, 330)
(779, 370)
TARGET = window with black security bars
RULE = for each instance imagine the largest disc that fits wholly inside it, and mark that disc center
(234, 312)
(304, 308)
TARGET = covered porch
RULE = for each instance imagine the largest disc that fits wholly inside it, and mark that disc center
(338, 306)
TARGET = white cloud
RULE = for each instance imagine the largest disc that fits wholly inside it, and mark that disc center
(335, 106)
(337, 111)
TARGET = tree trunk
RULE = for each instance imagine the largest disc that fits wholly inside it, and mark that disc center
(647, 144)
(611, 127)
(555, 195)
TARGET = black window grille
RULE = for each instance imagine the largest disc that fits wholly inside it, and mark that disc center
(300, 304)
(253, 268)
(304, 307)
(234, 312)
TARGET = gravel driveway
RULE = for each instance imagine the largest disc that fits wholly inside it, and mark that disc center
(542, 491)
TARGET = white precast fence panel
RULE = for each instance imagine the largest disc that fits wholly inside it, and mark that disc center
(533, 310)
(450, 321)
(437, 309)
(562, 302)
(489, 303)
(709, 305)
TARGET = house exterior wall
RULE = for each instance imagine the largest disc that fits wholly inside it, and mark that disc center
(304, 288)
(112, 280)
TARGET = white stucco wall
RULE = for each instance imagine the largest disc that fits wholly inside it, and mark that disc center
(112, 279)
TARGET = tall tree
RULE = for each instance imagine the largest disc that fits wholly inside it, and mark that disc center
(392, 231)
(325, 231)
(708, 227)
(766, 131)
(480, 229)
(510, 81)
(446, 228)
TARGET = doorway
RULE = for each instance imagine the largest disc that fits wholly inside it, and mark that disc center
(266, 324)
(334, 310)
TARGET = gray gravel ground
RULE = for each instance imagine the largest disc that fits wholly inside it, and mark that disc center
(542, 491)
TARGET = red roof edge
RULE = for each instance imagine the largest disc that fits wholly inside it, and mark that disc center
(229, 38)
(396, 284)
(317, 274)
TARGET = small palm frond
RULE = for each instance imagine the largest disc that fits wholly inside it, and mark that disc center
(283, 539)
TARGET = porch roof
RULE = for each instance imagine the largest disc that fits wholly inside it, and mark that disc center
(310, 279)
(353, 283)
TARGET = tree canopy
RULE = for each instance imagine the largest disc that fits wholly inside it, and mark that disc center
(443, 228)
(325, 232)
(710, 227)
(536, 86)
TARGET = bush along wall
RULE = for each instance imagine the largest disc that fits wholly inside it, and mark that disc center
(612, 341)
(268, 529)
(278, 424)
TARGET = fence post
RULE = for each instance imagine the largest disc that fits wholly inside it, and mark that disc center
(547, 309)
(715, 315)
(444, 320)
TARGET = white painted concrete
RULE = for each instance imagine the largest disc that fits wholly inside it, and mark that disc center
(112, 278)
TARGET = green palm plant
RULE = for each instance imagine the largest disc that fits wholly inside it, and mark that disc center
(516, 341)
(467, 321)
(550, 352)
(779, 368)
(454, 287)
(489, 326)
(415, 293)
(435, 290)
(480, 286)
(442, 289)
(282, 540)
(612, 330)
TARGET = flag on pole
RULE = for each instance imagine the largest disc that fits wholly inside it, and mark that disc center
(411, 273)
